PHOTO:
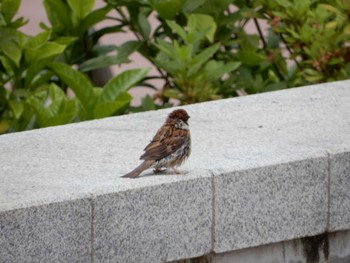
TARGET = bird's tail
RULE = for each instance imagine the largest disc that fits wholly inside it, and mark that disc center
(139, 169)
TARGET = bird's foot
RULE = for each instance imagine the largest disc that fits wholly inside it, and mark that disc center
(158, 170)
(176, 171)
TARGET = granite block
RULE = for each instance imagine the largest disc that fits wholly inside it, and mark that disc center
(56, 232)
(270, 204)
(339, 208)
(155, 223)
(263, 137)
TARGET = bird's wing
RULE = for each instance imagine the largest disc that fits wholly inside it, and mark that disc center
(166, 141)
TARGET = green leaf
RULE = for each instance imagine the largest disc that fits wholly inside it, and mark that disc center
(20, 93)
(102, 62)
(178, 29)
(293, 33)
(218, 72)
(110, 108)
(10, 41)
(306, 33)
(162, 60)
(81, 7)
(95, 17)
(167, 9)
(173, 93)
(183, 53)
(8, 65)
(201, 58)
(4, 125)
(11, 50)
(80, 84)
(331, 8)
(38, 106)
(9, 8)
(50, 49)
(3, 96)
(33, 70)
(58, 99)
(275, 86)
(128, 48)
(106, 30)
(148, 103)
(65, 40)
(205, 23)
(104, 49)
(251, 58)
(167, 48)
(59, 111)
(144, 25)
(58, 14)
(302, 7)
(122, 83)
(60, 119)
(191, 5)
(39, 40)
(41, 79)
(16, 107)
(248, 42)
(273, 40)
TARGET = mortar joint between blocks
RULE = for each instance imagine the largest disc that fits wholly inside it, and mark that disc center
(92, 229)
(329, 170)
(213, 210)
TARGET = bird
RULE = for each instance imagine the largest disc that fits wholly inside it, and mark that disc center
(169, 148)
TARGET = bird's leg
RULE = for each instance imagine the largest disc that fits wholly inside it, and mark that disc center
(157, 170)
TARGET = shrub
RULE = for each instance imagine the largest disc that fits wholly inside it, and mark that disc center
(201, 50)
(36, 71)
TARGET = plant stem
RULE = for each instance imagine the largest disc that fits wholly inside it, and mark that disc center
(290, 51)
(278, 70)
(260, 33)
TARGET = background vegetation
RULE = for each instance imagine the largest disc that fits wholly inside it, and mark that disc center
(201, 49)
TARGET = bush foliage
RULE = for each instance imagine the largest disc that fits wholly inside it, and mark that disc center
(201, 49)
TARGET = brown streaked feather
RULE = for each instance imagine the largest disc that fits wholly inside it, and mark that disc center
(165, 142)
(139, 169)
(170, 147)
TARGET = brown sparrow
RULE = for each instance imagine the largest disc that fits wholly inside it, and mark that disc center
(169, 148)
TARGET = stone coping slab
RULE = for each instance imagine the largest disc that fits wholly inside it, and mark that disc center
(264, 168)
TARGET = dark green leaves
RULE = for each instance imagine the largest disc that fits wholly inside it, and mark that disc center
(113, 96)
(167, 9)
(194, 69)
(81, 85)
(8, 10)
(121, 83)
(200, 50)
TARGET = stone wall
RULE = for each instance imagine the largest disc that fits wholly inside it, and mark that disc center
(264, 170)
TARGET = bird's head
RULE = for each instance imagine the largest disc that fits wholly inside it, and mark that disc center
(179, 114)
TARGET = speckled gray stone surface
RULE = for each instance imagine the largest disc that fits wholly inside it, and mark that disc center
(264, 205)
(57, 232)
(155, 224)
(339, 210)
(268, 153)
